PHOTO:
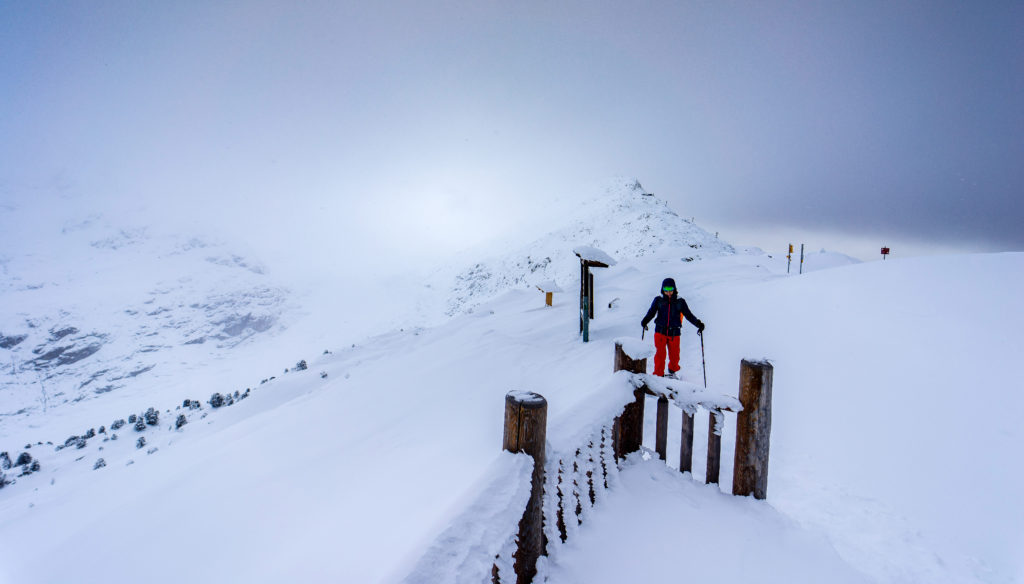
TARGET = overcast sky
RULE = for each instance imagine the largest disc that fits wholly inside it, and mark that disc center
(441, 123)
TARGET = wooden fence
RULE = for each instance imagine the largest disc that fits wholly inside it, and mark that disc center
(567, 485)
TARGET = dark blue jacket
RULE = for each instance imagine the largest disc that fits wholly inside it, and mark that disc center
(667, 315)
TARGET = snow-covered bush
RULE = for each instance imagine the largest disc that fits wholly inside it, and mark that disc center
(35, 466)
(141, 442)
(99, 464)
(23, 459)
(140, 425)
(3, 480)
(181, 421)
(216, 400)
(5, 461)
(91, 433)
(117, 425)
(301, 365)
(152, 417)
(103, 430)
(132, 418)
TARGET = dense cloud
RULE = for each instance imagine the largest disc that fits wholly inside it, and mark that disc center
(445, 125)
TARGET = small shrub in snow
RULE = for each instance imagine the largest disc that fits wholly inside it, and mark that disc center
(103, 429)
(99, 464)
(152, 417)
(186, 404)
(132, 418)
(152, 450)
(117, 425)
(23, 458)
(140, 426)
(323, 375)
(81, 443)
(70, 441)
(3, 480)
(91, 433)
(181, 421)
(141, 442)
(5, 461)
(35, 466)
(216, 400)
(301, 365)
(113, 436)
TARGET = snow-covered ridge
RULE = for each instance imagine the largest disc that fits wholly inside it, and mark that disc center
(624, 221)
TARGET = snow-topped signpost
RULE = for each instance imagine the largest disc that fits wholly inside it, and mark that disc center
(549, 288)
(590, 257)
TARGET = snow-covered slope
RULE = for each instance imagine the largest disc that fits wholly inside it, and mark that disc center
(93, 306)
(361, 466)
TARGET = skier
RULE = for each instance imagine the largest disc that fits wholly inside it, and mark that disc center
(668, 311)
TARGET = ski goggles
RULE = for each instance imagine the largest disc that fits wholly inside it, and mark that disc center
(668, 289)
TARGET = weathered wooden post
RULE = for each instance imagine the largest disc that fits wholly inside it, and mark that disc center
(661, 429)
(629, 427)
(686, 444)
(526, 415)
(753, 430)
(590, 292)
(714, 447)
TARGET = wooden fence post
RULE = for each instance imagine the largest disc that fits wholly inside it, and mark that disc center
(526, 415)
(686, 444)
(753, 430)
(714, 449)
(661, 429)
(630, 425)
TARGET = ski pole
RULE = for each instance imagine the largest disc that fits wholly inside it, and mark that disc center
(702, 364)
(642, 333)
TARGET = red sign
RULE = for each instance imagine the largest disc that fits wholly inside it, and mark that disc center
(885, 251)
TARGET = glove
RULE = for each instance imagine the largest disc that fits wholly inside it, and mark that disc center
(644, 325)
(700, 327)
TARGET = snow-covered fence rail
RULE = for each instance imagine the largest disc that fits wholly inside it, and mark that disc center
(577, 464)
(753, 427)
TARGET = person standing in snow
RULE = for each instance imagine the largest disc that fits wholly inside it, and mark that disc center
(668, 312)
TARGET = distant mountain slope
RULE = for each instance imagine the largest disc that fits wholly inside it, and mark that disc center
(623, 220)
(93, 306)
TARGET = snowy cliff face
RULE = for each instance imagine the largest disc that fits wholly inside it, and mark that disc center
(91, 306)
(623, 221)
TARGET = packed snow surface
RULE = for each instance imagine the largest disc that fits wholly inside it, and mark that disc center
(894, 423)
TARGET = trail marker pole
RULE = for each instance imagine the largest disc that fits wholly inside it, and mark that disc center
(585, 319)
(801, 258)
(789, 258)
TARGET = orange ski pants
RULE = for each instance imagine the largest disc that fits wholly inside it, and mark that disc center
(661, 344)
